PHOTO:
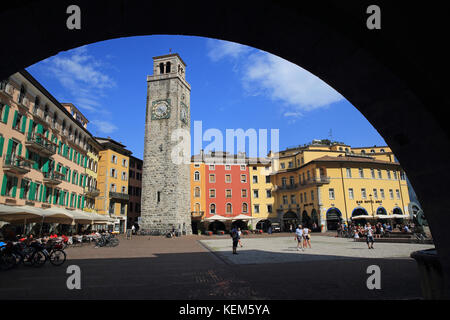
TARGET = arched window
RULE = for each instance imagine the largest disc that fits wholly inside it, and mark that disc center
(291, 180)
(212, 208)
(55, 119)
(70, 132)
(196, 176)
(168, 67)
(161, 68)
(22, 93)
(382, 150)
(244, 208)
(197, 192)
(46, 113)
(283, 181)
(36, 105)
(197, 207)
(229, 208)
(363, 151)
(372, 151)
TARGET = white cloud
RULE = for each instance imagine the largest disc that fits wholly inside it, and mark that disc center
(219, 49)
(104, 126)
(83, 76)
(281, 80)
(294, 89)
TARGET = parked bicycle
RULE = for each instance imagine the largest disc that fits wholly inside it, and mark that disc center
(50, 251)
(107, 240)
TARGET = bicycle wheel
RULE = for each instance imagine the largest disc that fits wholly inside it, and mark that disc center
(7, 261)
(38, 259)
(57, 257)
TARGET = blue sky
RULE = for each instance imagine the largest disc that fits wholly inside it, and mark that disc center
(232, 87)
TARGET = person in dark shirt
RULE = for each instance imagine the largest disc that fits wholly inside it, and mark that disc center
(235, 237)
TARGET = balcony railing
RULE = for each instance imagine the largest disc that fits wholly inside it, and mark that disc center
(16, 164)
(119, 196)
(91, 191)
(39, 143)
(197, 214)
(303, 184)
(53, 177)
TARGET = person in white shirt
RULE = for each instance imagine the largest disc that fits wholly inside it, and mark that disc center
(306, 237)
(299, 237)
(369, 235)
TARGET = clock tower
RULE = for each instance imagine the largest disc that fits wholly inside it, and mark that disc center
(166, 184)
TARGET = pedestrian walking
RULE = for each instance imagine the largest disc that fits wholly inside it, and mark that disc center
(239, 234)
(369, 235)
(269, 231)
(235, 238)
(306, 238)
(133, 229)
(299, 237)
(290, 228)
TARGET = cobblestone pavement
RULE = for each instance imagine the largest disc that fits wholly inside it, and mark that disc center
(184, 268)
(284, 249)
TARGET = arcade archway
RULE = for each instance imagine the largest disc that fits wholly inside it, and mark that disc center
(371, 68)
(290, 218)
(334, 216)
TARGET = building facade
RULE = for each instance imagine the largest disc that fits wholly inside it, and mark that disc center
(134, 190)
(322, 184)
(43, 148)
(112, 182)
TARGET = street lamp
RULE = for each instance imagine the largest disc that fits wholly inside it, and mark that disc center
(371, 205)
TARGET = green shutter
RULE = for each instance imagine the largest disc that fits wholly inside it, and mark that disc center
(24, 123)
(50, 190)
(2, 141)
(44, 193)
(30, 127)
(71, 200)
(31, 193)
(55, 193)
(19, 149)
(82, 202)
(41, 193)
(6, 114)
(14, 189)
(5, 181)
(22, 188)
(45, 166)
(14, 119)
(10, 145)
(40, 129)
(71, 152)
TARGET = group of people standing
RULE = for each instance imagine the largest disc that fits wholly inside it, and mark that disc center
(303, 237)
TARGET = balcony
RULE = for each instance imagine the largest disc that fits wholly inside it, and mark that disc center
(53, 178)
(119, 196)
(197, 214)
(16, 164)
(91, 192)
(304, 184)
(38, 143)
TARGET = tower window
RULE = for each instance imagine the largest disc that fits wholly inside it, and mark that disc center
(161, 68)
(159, 196)
(168, 67)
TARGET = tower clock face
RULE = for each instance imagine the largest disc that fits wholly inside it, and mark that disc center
(160, 110)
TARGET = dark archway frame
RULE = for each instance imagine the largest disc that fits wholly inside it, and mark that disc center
(396, 76)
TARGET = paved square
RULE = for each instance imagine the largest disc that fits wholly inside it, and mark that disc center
(284, 249)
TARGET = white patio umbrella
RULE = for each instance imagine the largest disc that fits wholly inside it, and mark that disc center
(383, 216)
(54, 215)
(242, 217)
(18, 213)
(218, 217)
(401, 216)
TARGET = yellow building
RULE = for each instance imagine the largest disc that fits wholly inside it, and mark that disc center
(323, 183)
(112, 182)
(198, 194)
(91, 190)
(262, 199)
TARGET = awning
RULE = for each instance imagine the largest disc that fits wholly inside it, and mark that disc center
(82, 217)
(363, 216)
(401, 216)
(54, 215)
(18, 213)
(383, 216)
(217, 217)
(242, 217)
